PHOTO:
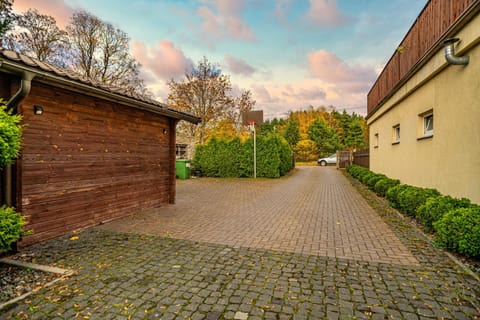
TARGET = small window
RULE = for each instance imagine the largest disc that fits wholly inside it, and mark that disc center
(375, 140)
(181, 151)
(428, 124)
(396, 134)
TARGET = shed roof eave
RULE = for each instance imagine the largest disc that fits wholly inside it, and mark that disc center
(19, 69)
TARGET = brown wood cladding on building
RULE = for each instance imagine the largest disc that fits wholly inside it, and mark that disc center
(85, 161)
(435, 19)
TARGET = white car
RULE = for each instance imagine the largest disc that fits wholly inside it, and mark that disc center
(332, 159)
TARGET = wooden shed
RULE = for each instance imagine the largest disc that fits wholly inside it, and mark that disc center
(90, 153)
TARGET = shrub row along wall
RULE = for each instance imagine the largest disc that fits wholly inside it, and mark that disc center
(455, 222)
(234, 158)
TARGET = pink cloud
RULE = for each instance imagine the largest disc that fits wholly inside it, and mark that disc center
(222, 20)
(305, 94)
(238, 66)
(262, 95)
(278, 99)
(325, 13)
(164, 60)
(55, 8)
(331, 69)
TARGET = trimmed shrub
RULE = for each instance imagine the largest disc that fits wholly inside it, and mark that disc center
(268, 159)
(412, 197)
(232, 158)
(355, 170)
(352, 169)
(11, 227)
(383, 185)
(392, 195)
(371, 182)
(459, 231)
(286, 154)
(435, 207)
(10, 135)
(364, 175)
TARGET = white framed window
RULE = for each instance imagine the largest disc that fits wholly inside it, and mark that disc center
(425, 125)
(428, 124)
(396, 134)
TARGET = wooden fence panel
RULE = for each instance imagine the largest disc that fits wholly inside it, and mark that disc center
(432, 23)
(362, 158)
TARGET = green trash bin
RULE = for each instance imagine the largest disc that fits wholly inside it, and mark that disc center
(183, 169)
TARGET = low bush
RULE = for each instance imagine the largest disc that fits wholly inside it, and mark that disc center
(436, 207)
(10, 135)
(356, 170)
(383, 185)
(459, 231)
(456, 222)
(412, 197)
(11, 227)
(372, 181)
(393, 193)
(364, 176)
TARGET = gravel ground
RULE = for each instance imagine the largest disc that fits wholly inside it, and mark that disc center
(15, 281)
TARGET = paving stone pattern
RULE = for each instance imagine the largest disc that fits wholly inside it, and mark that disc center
(316, 211)
(142, 276)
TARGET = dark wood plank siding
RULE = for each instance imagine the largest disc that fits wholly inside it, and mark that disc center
(86, 161)
(435, 19)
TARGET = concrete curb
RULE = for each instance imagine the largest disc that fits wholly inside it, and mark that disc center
(63, 272)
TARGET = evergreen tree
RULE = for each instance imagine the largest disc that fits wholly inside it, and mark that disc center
(306, 150)
(355, 138)
(325, 137)
(292, 132)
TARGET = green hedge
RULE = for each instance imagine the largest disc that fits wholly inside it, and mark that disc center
(11, 222)
(355, 170)
(372, 181)
(11, 227)
(392, 194)
(233, 158)
(383, 185)
(412, 197)
(10, 135)
(436, 207)
(459, 231)
(456, 222)
(408, 198)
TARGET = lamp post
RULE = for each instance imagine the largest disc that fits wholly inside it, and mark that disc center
(254, 152)
(252, 118)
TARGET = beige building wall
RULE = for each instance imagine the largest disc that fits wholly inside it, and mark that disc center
(450, 159)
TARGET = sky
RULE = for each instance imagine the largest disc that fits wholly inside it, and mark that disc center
(291, 54)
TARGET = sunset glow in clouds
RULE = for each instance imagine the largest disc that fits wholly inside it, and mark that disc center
(290, 53)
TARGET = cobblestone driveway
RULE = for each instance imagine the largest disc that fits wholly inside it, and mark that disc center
(316, 211)
(303, 247)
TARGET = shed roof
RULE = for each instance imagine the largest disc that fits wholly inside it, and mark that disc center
(21, 65)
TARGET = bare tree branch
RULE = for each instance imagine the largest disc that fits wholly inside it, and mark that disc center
(101, 52)
(38, 36)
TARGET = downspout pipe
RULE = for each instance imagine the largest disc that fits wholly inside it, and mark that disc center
(12, 104)
(450, 53)
(23, 91)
